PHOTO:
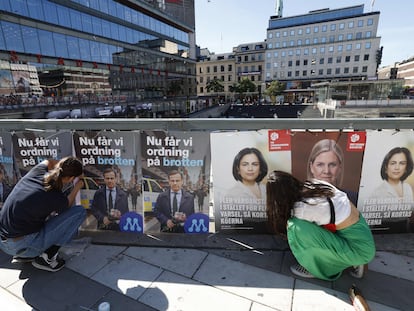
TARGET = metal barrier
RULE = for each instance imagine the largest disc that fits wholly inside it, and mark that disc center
(206, 124)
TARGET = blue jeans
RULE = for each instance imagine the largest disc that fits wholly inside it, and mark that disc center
(58, 230)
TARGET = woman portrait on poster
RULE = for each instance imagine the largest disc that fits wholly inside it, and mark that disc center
(396, 166)
(249, 169)
(326, 162)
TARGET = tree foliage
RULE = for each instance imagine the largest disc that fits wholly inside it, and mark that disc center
(215, 85)
(274, 88)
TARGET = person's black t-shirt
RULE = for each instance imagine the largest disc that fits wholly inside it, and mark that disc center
(28, 205)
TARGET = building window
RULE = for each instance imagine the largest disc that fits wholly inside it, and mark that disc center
(275, 54)
(338, 59)
(346, 70)
(299, 42)
(370, 22)
(349, 47)
(307, 30)
(305, 73)
(307, 41)
(215, 69)
(292, 43)
(283, 53)
(337, 71)
(290, 63)
(367, 45)
(297, 73)
(316, 29)
(306, 52)
(357, 46)
(269, 45)
(201, 89)
(330, 60)
(361, 23)
(314, 50)
(320, 72)
(230, 67)
(331, 49)
(208, 69)
(222, 78)
(222, 68)
(329, 71)
(349, 36)
(201, 79)
(315, 40)
(313, 61)
(297, 62)
(333, 27)
(300, 31)
(246, 58)
(200, 69)
(368, 34)
(356, 58)
(355, 70)
(298, 52)
(323, 40)
(341, 37)
(290, 52)
(351, 24)
(321, 61)
(268, 55)
(277, 34)
(347, 59)
(289, 73)
(341, 26)
(285, 34)
(292, 32)
(324, 28)
(365, 69)
(366, 57)
(322, 50)
(313, 72)
(270, 35)
(229, 78)
(358, 36)
(340, 48)
(331, 39)
(305, 62)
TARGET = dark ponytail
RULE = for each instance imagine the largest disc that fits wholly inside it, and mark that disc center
(66, 167)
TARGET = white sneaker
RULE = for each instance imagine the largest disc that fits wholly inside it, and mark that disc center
(357, 271)
(301, 271)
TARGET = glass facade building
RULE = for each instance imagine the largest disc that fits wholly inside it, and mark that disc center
(141, 45)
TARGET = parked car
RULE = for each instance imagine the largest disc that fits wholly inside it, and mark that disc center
(151, 190)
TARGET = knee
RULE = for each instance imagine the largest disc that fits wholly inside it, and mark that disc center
(79, 210)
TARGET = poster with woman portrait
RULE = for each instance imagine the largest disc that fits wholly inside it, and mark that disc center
(334, 157)
(387, 180)
(176, 181)
(112, 175)
(241, 162)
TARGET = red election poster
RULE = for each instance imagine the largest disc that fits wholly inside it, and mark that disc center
(334, 157)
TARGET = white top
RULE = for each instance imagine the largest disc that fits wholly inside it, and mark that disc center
(240, 190)
(385, 190)
(317, 210)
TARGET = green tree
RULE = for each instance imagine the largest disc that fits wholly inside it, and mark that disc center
(246, 85)
(273, 89)
(215, 85)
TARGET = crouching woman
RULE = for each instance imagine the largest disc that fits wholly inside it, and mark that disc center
(325, 231)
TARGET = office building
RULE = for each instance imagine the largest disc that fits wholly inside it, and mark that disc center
(323, 45)
(139, 49)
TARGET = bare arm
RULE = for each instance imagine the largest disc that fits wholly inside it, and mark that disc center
(77, 186)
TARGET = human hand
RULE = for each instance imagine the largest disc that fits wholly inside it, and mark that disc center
(170, 223)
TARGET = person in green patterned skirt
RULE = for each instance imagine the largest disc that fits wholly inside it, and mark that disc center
(325, 231)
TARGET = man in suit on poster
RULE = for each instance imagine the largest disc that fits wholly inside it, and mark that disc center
(109, 202)
(174, 205)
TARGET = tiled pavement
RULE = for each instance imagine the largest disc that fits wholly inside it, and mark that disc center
(201, 272)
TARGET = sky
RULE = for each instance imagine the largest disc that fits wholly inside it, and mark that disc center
(224, 24)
